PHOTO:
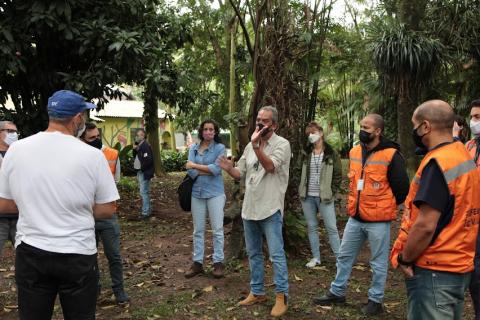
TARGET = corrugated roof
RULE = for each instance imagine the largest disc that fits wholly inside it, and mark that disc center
(124, 109)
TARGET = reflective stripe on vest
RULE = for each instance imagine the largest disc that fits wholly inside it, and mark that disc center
(376, 201)
(112, 157)
(454, 248)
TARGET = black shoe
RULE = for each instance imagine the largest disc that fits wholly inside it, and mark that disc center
(372, 308)
(121, 297)
(328, 299)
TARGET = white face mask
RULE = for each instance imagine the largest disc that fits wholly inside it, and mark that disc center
(314, 137)
(475, 127)
(11, 138)
(80, 131)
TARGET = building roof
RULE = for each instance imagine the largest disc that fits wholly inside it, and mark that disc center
(124, 109)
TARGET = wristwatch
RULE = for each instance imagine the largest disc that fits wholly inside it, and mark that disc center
(403, 262)
(256, 145)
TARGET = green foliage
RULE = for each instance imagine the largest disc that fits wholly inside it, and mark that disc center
(174, 161)
(86, 46)
(295, 229)
(126, 159)
(127, 185)
(404, 57)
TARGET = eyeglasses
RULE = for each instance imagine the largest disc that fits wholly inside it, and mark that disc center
(9, 130)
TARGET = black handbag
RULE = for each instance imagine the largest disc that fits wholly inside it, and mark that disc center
(184, 192)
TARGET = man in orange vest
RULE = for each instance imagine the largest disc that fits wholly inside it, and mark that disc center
(474, 150)
(378, 184)
(435, 246)
(108, 230)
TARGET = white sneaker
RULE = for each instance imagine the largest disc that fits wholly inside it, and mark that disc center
(313, 263)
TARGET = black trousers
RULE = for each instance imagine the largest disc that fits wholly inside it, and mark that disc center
(41, 275)
(475, 282)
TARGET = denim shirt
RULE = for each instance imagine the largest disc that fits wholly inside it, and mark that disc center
(207, 186)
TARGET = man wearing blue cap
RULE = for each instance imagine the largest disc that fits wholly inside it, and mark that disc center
(58, 185)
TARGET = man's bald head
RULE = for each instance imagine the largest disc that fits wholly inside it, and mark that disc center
(438, 113)
(376, 120)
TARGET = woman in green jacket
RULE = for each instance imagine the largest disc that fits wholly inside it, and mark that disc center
(320, 180)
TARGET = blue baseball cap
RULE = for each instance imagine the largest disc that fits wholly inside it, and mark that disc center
(66, 103)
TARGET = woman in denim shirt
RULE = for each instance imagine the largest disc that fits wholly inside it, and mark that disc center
(208, 194)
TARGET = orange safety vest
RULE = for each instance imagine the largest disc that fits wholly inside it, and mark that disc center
(454, 248)
(472, 149)
(112, 158)
(375, 202)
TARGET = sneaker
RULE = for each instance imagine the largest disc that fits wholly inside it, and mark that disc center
(218, 270)
(121, 296)
(328, 299)
(195, 269)
(252, 299)
(372, 308)
(313, 263)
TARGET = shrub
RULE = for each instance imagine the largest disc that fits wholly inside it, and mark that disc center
(173, 160)
(126, 159)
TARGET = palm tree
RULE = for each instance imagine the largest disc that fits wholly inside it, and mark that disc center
(406, 61)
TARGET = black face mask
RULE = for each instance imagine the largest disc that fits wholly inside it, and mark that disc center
(97, 143)
(365, 137)
(260, 127)
(418, 140)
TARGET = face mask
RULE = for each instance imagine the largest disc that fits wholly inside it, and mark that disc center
(260, 127)
(365, 137)
(314, 137)
(418, 139)
(138, 139)
(80, 130)
(10, 138)
(475, 127)
(97, 143)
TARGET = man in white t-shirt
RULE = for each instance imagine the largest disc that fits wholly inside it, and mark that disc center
(59, 185)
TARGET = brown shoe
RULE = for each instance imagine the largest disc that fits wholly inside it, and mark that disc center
(218, 270)
(195, 269)
(252, 299)
(281, 305)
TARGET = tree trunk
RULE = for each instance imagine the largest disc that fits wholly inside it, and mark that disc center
(232, 89)
(151, 127)
(405, 109)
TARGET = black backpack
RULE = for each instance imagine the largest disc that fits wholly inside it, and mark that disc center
(184, 192)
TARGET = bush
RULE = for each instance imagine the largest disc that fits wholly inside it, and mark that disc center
(173, 160)
(127, 185)
(126, 159)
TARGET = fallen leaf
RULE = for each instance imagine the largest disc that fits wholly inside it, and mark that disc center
(297, 278)
(326, 307)
(361, 268)
(322, 268)
(208, 289)
(180, 270)
(108, 307)
(231, 309)
(140, 284)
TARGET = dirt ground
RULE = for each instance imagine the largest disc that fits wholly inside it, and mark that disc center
(157, 252)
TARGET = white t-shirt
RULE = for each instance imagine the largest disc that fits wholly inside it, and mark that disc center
(55, 179)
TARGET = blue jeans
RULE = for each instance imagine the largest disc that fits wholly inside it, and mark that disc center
(271, 227)
(214, 206)
(108, 231)
(144, 193)
(354, 236)
(311, 206)
(436, 295)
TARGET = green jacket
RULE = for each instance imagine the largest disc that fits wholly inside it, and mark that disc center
(330, 176)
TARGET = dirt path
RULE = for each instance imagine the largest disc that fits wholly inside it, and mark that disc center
(157, 252)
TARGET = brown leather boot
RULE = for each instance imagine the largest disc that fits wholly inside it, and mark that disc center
(218, 268)
(195, 269)
(281, 305)
(252, 299)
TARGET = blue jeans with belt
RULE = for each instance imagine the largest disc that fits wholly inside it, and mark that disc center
(436, 295)
(271, 227)
(108, 231)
